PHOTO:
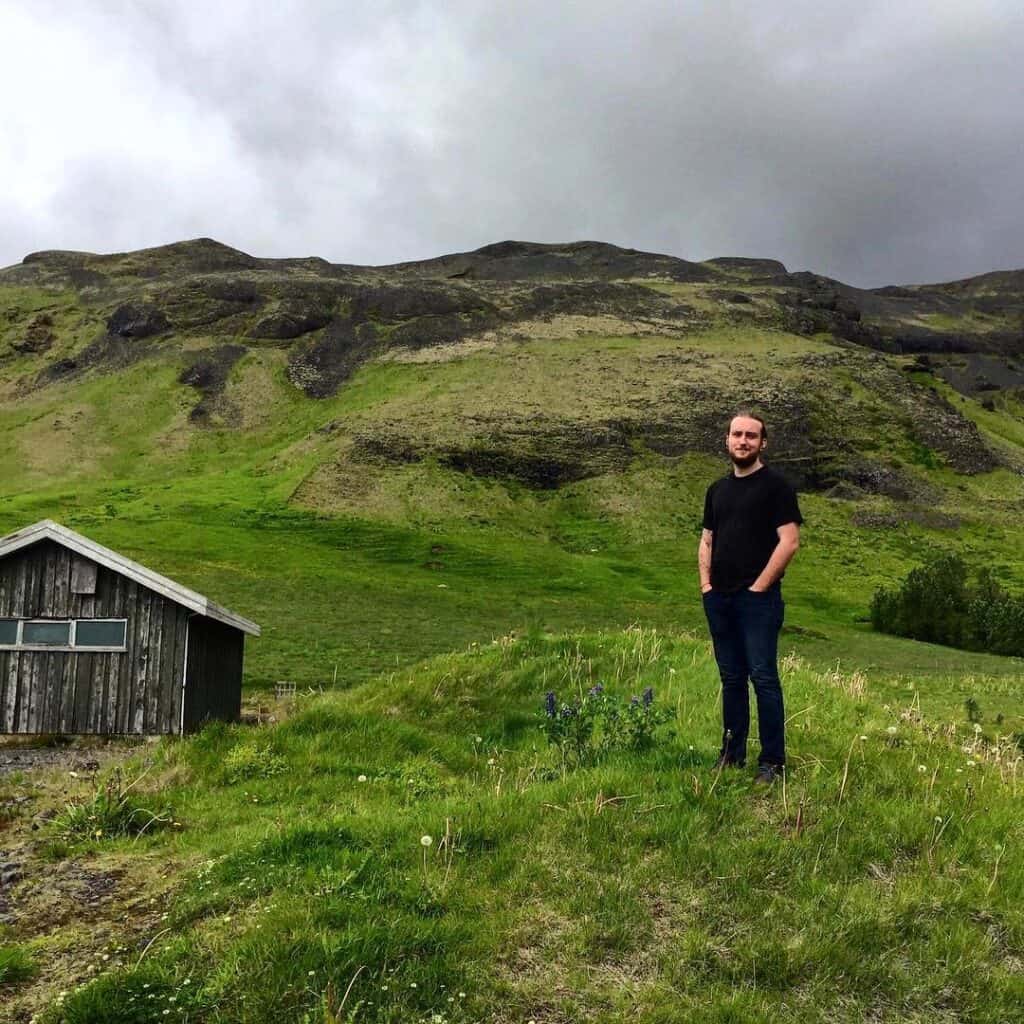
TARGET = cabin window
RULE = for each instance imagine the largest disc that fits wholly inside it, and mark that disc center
(100, 632)
(45, 634)
(63, 634)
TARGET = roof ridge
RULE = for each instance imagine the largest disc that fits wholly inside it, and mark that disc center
(149, 578)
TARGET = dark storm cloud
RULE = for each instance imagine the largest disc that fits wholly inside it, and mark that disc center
(877, 144)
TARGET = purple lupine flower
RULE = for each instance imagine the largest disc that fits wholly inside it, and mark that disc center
(550, 704)
(648, 696)
(597, 690)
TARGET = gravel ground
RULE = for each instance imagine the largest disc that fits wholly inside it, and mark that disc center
(82, 754)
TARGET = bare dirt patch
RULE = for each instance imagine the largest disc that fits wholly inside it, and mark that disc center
(81, 913)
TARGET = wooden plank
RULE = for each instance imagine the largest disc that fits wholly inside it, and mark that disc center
(152, 680)
(49, 682)
(139, 668)
(28, 603)
(35, 605)
(178, 672)
(10, 710)
(61, 602)
(101, 599)
(85, 665)
(75, 711)
(9, 573)
(119, 681)
(107, 716)
(30, 692)
(15, 674)
(162, 722)
(18, 599)
(66, 704)
(6, 585)
(58, 667)
(29, 662)
(5, 659)
(40, 661)
(103, 607)
(193, 652)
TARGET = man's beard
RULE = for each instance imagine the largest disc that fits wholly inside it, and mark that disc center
(744, 461)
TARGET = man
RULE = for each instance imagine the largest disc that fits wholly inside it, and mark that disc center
(751, 532)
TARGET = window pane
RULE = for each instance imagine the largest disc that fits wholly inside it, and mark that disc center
(8, 631)
(99, 633)
(55, 633)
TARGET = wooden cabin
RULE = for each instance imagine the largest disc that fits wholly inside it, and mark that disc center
(92, 642)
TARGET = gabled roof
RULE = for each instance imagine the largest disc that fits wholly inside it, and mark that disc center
(49, 530)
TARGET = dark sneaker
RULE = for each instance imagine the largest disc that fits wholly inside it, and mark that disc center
(767, 774)
(725, 761)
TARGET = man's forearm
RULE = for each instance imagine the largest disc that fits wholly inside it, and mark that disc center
(704, 563)
(781, 557)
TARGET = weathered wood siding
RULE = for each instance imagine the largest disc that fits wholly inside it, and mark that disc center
(213, 686)
(137, 691)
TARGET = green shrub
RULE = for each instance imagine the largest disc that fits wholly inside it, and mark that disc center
(600, 722)
(15, 964)
(937, 603)
(252, 761)
(112, 811)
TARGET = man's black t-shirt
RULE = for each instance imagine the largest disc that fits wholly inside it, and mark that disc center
(743, 513)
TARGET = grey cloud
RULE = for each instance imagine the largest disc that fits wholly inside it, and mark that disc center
(878, 144)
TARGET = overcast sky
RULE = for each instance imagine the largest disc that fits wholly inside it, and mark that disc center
(877, 142)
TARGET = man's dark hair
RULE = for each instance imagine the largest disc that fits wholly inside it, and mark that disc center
(750, 416)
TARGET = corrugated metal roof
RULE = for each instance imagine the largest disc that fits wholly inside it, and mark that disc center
(47, 529)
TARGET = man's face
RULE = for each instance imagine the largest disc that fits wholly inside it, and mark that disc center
(744, 441)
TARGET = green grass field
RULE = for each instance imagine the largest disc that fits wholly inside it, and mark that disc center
(882, 882)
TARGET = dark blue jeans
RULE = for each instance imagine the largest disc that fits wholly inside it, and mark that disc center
(745, 630)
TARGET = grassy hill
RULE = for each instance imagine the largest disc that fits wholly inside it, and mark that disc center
(383, 463)
(410, 849)
(386, 465)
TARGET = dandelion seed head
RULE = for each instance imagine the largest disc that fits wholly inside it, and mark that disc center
(922, 767)
(362, 778)
(426, 840)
